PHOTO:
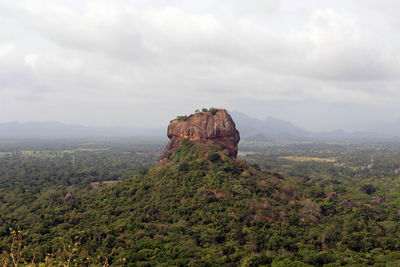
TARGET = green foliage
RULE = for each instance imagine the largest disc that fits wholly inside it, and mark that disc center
(368, 189)
(199, 209)
(213, 110)
(182, 118)
(213, 156)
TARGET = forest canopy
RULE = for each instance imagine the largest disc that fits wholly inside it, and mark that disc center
(286, 205)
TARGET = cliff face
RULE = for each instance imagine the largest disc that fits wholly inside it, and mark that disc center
(216, 129)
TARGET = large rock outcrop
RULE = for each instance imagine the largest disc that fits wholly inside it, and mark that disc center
(210, 128)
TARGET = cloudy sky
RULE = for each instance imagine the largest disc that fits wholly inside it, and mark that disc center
(319, 64)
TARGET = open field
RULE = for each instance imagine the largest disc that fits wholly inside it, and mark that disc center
(308, 159)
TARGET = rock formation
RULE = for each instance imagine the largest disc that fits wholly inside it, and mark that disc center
(214, 127)
(68, 197)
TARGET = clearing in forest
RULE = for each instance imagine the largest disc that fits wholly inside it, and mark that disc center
(307, 159)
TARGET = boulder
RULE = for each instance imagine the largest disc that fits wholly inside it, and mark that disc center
(377, 199)
(331, 195)
(68, 197)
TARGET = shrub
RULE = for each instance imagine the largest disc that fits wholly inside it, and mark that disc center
(368, 189)
(213, 110)
(213, 156)
(182, 118)
(183, 167)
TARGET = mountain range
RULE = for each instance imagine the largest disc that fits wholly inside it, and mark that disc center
(275, 130)
(57, 130)
(251, 129)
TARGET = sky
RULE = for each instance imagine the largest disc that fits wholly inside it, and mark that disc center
(321, 65)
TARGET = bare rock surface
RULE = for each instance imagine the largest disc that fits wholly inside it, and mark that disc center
(68, 197)
(210, 128)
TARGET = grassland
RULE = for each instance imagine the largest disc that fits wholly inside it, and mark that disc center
(308, 159)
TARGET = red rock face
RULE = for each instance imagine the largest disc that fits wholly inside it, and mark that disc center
(215, 129)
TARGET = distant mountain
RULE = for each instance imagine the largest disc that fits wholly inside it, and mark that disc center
(251, 129)
(356, 135)
(388, 129)
(269, 129)
(57, 130)
(273, 130)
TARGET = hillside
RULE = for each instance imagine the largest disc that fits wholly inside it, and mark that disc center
(202, 206)
(197, 208)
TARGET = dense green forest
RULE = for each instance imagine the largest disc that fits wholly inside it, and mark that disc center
(278, 205)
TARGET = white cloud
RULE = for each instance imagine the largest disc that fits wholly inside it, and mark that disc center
(31, 60)
(6, 49)
(172, 56)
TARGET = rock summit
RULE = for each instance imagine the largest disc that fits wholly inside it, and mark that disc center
(212, 127)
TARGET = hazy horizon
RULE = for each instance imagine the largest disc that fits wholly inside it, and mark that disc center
(235, 114)
(320, 65)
